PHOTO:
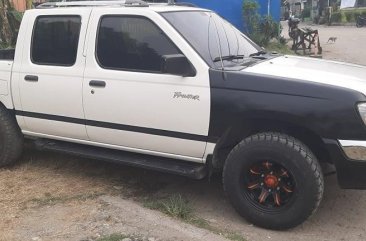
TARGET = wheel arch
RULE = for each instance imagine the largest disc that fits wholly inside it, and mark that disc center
(6, 102)
(233, 135)
(11, 111)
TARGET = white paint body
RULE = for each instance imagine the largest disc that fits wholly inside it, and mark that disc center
(58, 90)
(5, 75)
(131, 98)
(146, 99)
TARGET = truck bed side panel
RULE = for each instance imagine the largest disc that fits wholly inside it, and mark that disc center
(5, 75)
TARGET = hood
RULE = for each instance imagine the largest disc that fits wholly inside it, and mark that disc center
(334, 73)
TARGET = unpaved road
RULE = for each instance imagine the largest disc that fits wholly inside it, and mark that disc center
(49, 196)
(350, 45)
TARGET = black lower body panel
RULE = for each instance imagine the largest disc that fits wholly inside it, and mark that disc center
(351, 174)
(168, 165)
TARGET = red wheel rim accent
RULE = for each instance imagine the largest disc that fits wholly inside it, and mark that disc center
(270, 184)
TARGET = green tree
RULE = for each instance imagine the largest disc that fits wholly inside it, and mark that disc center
(251, 16)
(9, 24)
(260, 29)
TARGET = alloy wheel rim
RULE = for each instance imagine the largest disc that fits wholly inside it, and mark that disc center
(270, 185)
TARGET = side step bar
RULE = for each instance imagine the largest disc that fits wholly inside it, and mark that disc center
(177, 167)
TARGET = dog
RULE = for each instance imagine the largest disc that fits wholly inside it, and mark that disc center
(332, 39)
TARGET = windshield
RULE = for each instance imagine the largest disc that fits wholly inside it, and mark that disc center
(218, 42)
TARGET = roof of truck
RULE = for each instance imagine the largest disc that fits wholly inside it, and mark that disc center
(157, 7)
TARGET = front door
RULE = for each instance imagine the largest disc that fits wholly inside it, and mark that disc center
(129, 102)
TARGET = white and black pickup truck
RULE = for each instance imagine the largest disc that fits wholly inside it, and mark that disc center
(180, 90)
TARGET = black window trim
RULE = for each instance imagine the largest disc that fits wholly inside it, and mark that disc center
(133, 70)
(53, 64)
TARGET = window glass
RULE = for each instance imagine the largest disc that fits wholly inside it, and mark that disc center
(212, 37)
(55, 40)
(132, 43)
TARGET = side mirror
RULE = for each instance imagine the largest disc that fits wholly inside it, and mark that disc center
(178, 64)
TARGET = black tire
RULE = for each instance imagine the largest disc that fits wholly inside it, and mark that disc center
(11, 138)
(284, 151)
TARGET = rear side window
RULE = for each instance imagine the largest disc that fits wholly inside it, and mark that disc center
(55, 40)
(132, 43)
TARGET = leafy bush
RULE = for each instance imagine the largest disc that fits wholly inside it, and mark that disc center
(278, 46)
(347, 16)
(4, 45)
(360, 13)
(343, 17)
(9, 24)
(350, 16)
(282, 40)
(260, 29)
(336, 17)
(251, 16)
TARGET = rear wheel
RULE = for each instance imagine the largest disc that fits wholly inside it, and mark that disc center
(11, 138)
(273, 180)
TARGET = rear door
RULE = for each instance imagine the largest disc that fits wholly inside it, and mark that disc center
(137, 107)
(50, 77)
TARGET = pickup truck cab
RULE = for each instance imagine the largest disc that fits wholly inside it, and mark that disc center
(178, 89)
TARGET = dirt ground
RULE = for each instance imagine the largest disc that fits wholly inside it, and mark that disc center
(48, 196)
(349, 46)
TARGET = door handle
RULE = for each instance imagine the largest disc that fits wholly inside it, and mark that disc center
(32, 78)
(97, 83)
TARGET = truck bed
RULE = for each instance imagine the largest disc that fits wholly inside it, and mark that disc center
(6, 66)
(7, 54)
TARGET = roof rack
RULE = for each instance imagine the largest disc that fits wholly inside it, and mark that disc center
(95, 3)
(184, 4)
(65, 3)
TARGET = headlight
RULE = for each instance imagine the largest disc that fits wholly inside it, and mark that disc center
(362, 111)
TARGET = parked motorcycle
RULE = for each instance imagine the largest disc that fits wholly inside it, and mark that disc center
(293, 24)
(361, 21)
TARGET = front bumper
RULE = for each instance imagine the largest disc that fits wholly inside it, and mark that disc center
(349, 158)
(354, 150)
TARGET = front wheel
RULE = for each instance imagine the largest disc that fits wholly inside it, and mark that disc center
(273, 180)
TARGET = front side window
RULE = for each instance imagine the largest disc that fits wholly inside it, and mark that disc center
(218, 42)
(132, 43)
(55, 40)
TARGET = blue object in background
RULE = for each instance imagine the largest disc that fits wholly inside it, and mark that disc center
(274, 8)
(231, 10)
